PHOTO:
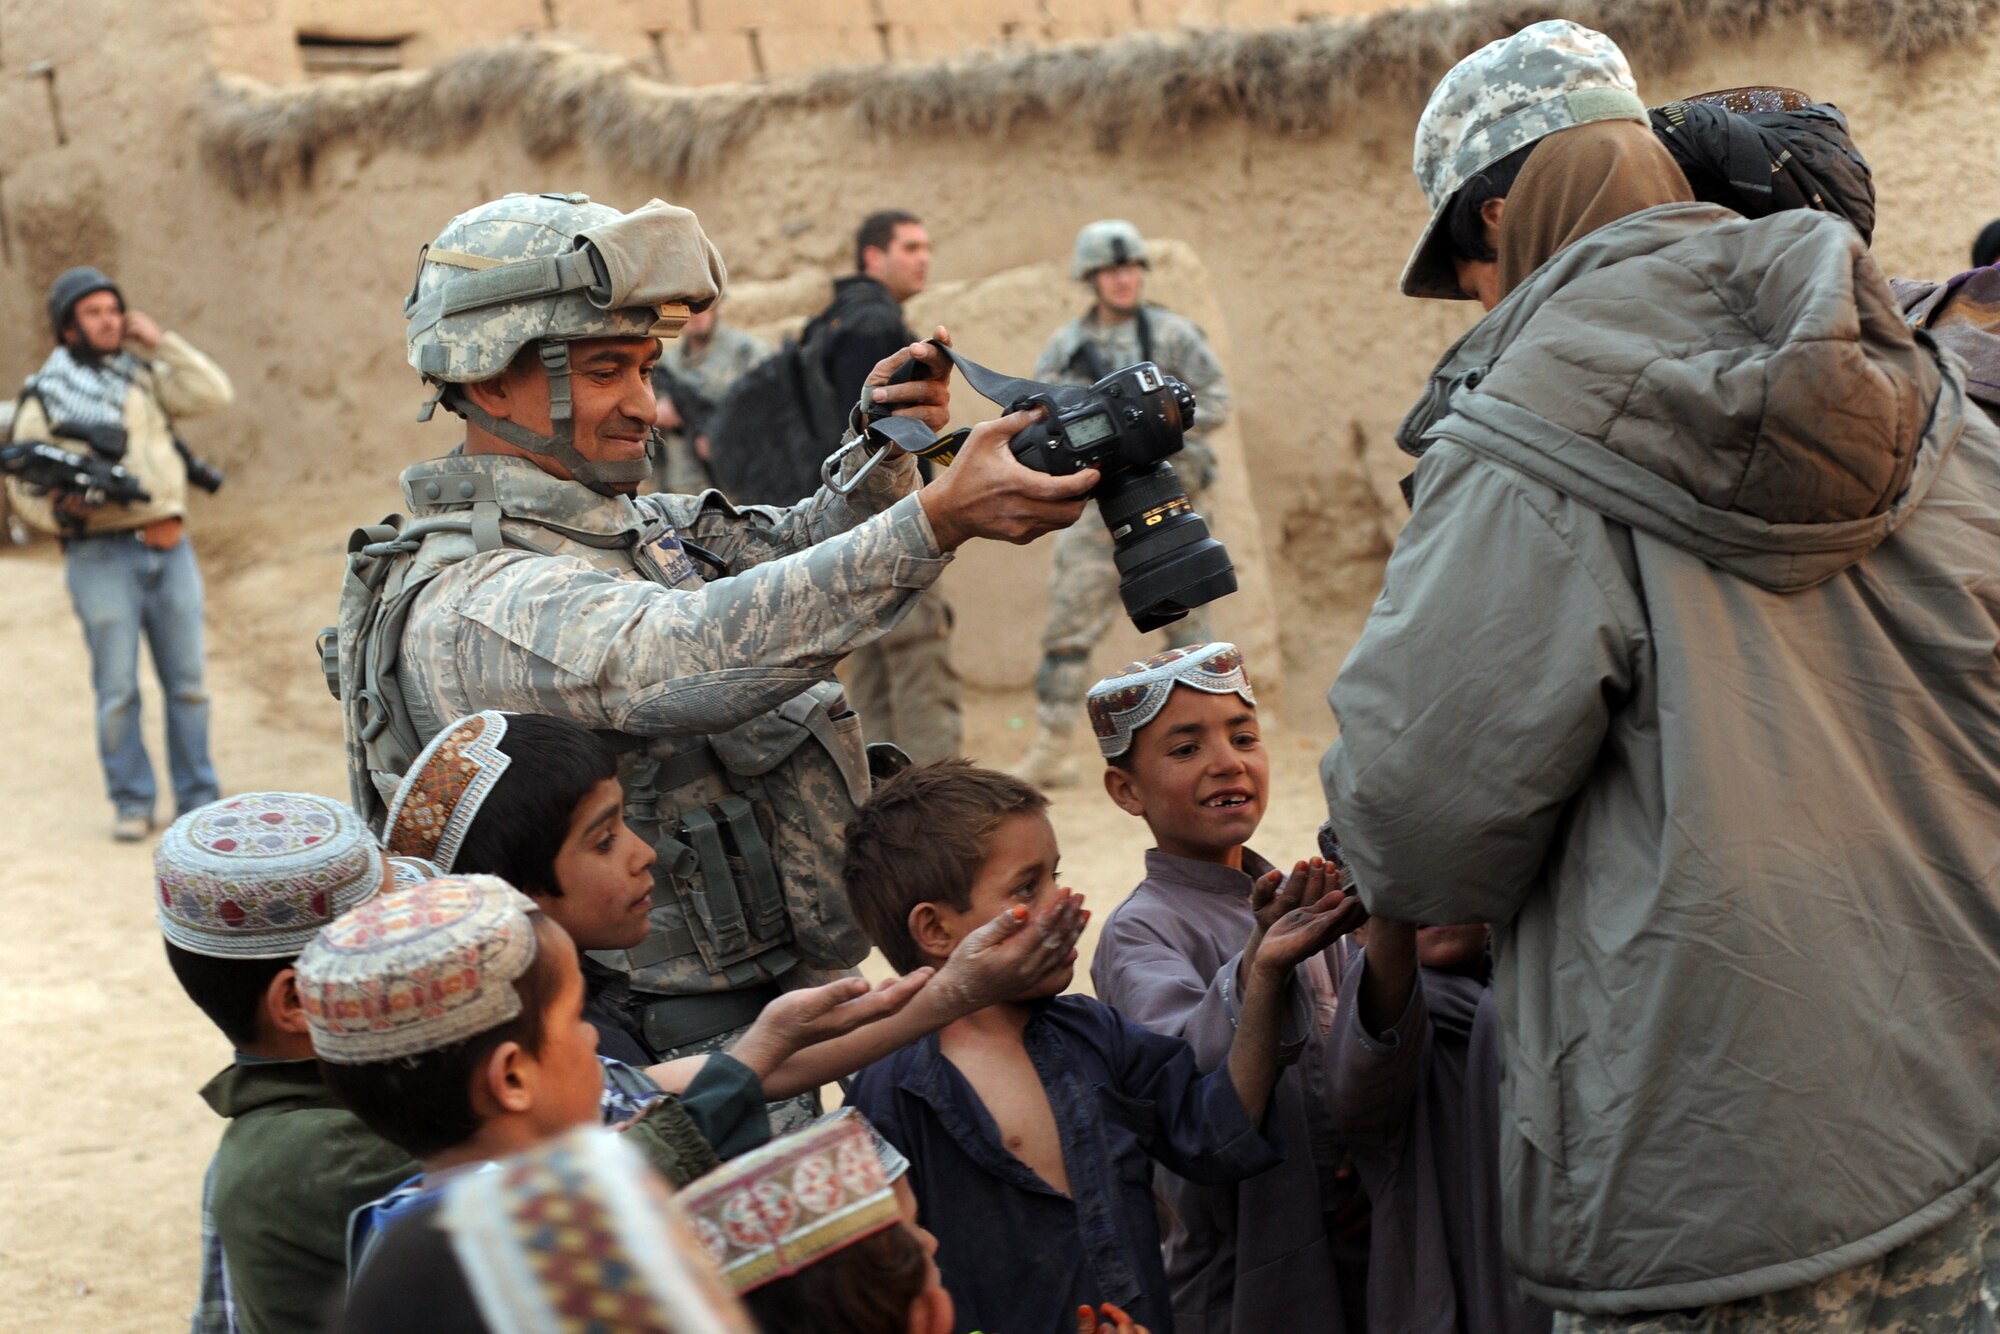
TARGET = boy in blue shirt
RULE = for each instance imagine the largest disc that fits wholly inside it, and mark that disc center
(1032, 1125)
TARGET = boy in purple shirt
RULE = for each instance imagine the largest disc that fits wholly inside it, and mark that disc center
(1032, 1125)
(1286, 1248)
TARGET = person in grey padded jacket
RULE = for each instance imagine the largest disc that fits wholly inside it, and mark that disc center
(1686, 676)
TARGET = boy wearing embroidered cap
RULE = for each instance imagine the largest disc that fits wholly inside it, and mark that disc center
(575, 1234)
(449, 1018)
(1183, 752)
(536, 800)
(241, 886)
(1030, 1124)
(811, 1233)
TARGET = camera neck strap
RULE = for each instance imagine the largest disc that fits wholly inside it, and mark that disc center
(1008, 392)
(912, 436)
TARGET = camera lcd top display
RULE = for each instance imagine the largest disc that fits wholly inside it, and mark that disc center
(1088, 430)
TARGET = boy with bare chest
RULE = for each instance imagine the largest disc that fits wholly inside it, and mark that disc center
(1032, 1126)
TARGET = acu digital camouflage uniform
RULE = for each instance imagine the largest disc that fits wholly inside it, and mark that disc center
(711, 368)
(1083, 581)
(700, 639)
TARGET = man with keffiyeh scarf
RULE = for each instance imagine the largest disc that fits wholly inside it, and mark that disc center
(113, 386)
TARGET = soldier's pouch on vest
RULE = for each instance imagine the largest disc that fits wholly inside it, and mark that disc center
(752, 857)
(807, 757)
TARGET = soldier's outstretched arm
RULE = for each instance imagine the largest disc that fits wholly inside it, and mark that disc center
(551, 634)
(752, 534)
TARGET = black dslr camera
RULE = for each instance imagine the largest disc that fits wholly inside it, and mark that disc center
(1126, 426)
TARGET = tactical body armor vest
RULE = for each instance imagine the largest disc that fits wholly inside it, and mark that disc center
(747, 821)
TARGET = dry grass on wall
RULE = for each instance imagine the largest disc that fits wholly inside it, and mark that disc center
(1303, 80)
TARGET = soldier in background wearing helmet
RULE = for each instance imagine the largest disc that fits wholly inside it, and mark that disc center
(112, 388)
(698, 637)
(1120, 329)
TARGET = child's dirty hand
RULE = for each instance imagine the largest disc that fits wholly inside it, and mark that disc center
(1317, 916)
(1276, 893)
(1013, 954)
(1107, 1319)
(800, 1018)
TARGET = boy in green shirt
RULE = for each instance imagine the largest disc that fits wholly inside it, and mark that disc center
(242, 886)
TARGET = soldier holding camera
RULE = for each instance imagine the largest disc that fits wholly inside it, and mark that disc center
(109, 393)
(699, 637)
(1119, 329)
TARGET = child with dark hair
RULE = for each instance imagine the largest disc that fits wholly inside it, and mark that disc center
(448, 1017)
(241, 886)
(536, 801)
(1032, 1125)
(813, 1235)
(1182, 750)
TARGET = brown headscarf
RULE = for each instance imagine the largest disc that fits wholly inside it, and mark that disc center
(1576, 181)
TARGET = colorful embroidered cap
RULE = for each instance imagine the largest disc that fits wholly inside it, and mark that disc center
(1754, 99)
(418, 969)
(772, 1212)
(257, 876)
(1549, 76)
(1120, 705)
(440, 795)
(579, 1234)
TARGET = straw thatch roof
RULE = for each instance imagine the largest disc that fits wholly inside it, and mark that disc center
(1303, 79)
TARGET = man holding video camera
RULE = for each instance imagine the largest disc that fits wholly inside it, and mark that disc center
(110, 392)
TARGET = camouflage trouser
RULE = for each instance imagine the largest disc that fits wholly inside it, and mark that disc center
(904, 686)
(1944, 1282)
(787, 1116)
(1083, 603)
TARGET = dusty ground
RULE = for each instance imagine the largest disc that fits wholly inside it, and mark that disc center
(105, 1137)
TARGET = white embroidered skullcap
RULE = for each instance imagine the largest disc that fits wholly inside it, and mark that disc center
(257, 876)
(1120, 705)
(416, 970)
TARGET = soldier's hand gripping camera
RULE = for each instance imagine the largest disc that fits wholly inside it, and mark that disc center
(1127, 426)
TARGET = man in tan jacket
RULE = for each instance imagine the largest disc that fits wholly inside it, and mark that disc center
(113, 386)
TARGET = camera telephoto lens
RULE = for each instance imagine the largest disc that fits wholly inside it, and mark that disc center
(1167, 562)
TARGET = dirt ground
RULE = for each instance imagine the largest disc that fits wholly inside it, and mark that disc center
(106, 1138)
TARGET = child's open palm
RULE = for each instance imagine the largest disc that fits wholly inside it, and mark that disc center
(1300, 915)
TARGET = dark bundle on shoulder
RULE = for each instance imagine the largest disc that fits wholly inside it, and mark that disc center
(1764, 150)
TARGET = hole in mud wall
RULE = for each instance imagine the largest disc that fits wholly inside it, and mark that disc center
(328, 53)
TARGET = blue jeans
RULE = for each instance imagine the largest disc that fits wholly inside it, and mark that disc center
(122, 588)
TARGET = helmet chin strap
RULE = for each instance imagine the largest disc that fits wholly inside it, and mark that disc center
(602, 477)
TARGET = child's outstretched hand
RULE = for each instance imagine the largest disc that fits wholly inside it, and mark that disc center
(1112, 1321)
(1299, 915)
(813, 1014)
(1013, 954)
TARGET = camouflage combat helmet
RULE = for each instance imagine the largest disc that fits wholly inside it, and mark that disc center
(550, 270)
(1550, 76)
(1101, 244)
